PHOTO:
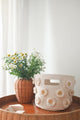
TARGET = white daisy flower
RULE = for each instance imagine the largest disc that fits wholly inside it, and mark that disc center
(44, 92)
(14, 66)
(33, 81)
(66, 103)
(37, 100)
(51, 102)
(60, 93)
(68, 84)
(35, 90)
(71, 92)
(10, 65)
(38, 82)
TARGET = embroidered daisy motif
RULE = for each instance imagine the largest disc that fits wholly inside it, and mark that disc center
(70, 99)
(38, 81)
(60, 93)
(66, 103)
(35, 90)
(33, 81)
(71, 92)
(44, 92)
(68, 84)
(51, 102)
(37, 100)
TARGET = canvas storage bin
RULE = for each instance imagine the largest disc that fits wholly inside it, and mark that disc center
(53, 92)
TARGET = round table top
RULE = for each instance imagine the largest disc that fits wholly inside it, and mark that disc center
(32, 109)
(34, 113)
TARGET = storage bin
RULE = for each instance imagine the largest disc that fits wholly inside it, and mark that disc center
(53, 92)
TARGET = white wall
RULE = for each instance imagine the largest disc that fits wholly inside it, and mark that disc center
(66, 33)
(50, 26)
(66, 17)
(54, 28)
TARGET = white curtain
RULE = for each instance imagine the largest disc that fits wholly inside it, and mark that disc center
(50, 26)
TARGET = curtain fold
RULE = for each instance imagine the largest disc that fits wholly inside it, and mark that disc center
(50, 26)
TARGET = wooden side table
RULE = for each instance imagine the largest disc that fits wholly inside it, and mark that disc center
(35, 113)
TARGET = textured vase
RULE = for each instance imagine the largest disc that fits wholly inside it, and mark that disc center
(24, 90)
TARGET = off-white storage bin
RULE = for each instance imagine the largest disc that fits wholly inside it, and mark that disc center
(53, 92)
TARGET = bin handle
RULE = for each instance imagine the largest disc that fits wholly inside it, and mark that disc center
(51, 82)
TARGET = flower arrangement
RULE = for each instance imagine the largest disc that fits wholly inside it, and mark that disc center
(24, 66)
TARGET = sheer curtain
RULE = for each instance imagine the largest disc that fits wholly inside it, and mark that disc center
(50, 26)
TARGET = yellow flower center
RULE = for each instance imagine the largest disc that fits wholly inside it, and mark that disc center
(15, 53)
(13, 57)
(17, 57)
(8, 55)
(23, 57)
(20, 65)
(25, 53)
(22, 54)
(12, 68)
(50, 101)
(69, 83)
(14, 61)
(60, 93)
(42, 92)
